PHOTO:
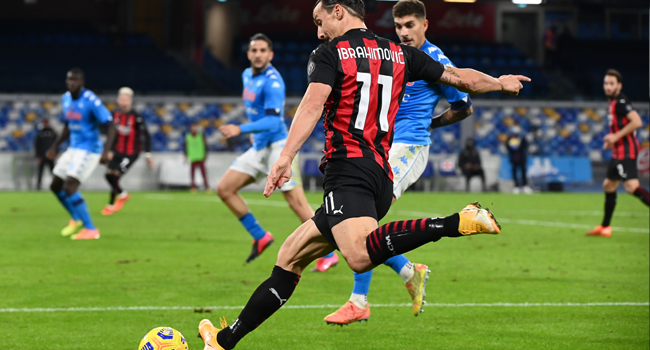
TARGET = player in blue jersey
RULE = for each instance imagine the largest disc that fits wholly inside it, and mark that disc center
(409, 154)
(264, 95)
(84, 113)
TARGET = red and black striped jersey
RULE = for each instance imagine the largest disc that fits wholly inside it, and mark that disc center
(627, 147)
(367, 74)
(132, 134)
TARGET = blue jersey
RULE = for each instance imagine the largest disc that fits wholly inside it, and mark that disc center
(264, 96)
(420, 99)
(84, 115)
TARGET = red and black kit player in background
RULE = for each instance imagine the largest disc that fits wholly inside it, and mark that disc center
(356, 83)
(623, 122)
(132, 138)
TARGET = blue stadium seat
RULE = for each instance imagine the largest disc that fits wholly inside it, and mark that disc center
(292, 46)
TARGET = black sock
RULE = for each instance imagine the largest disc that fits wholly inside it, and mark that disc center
(109, 179)
(399, 237)
(116, 182)
(115, 188)
(266, 300)
(643, 195)
(610, 204)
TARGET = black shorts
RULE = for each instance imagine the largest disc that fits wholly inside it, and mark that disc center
(353, 188)
(122, 162)
(622, 170)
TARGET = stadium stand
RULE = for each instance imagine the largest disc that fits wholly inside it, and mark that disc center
(291, 61)
(552, 131)
(36, 55)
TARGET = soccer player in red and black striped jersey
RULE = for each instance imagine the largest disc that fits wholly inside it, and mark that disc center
(356, 81)
(132, 138)
(623, 122)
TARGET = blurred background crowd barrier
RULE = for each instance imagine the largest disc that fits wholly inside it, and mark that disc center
(564, 137)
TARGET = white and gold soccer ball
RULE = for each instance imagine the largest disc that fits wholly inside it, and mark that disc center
(163, 338)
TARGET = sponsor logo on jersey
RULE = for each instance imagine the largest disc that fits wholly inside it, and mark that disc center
(248, 95)
(73, 115)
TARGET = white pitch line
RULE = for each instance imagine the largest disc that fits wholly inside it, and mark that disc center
(325, 306)
(283, 204)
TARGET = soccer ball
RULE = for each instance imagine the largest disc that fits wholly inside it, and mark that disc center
(163, 338)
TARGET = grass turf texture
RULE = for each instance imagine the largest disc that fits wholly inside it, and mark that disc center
(178, 249)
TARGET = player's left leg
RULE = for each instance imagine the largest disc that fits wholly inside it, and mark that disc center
(527, 189)
(82, 165)
(193, 166)
(408, 163)
(241, 173)
(122, 195)
(481, 174)
(302, 247)
(631, 183)
(39, 174)
(59, 174)
(113, 182)
(295, 197)
(634, 188)
(205, 176)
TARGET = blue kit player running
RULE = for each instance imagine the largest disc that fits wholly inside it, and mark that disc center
(84, 113)
(264, 95)
(409, 154)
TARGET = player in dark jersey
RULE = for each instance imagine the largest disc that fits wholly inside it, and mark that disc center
(132, 138)
(359, 78)
(623, 122)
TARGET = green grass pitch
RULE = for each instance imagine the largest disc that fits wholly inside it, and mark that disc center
(171, 249)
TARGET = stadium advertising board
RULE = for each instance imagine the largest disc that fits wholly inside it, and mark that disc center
(552, 169)
(445, 19)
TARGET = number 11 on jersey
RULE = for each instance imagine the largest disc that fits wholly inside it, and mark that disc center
(386, 83)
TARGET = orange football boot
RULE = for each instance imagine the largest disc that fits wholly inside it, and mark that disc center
(119, 203)
(347, 314)
(86, 234)
(600, 231)
(108, 210)
(208, 333)
(323, 264)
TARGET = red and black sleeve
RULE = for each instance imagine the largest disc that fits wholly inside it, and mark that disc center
(142, 128)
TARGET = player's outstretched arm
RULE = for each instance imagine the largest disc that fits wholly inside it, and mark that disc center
(65, 133)
(475, 82)
(450, 116)
(307, 115)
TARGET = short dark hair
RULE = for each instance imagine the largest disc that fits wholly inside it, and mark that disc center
(410, 7)
(615, 73)
(79, 72)
(263, 37)
(355, 7)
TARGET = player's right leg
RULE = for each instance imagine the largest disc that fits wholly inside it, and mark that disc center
(610, 184)
(59, 174)
(113, 178)
(301, 248)
(240, 174)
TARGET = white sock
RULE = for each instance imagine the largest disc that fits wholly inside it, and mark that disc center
(407, 272)
(124, 194)
(360, 300)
